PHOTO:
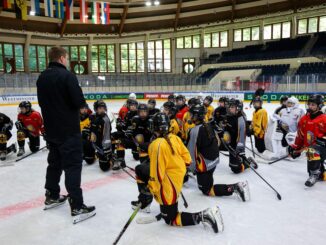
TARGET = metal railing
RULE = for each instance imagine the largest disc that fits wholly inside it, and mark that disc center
(22, 83)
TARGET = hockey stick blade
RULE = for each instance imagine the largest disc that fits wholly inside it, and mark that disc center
(148, 220)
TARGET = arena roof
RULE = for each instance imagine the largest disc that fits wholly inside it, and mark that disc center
(128, 16)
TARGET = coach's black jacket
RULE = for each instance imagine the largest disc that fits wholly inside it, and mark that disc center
(60, 97)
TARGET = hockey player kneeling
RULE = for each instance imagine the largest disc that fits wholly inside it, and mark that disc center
(85, 128)
(5, 135)
(101, 135)
(204, 151)
(29, 125)
(236, 129)
(168, 159)
(312, 138)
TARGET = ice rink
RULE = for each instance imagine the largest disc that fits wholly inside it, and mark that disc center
(300, 218)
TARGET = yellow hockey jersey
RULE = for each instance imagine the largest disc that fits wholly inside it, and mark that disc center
(174, 127)
(187, 125)
(209, 113)
(259, 122)
(167, 170)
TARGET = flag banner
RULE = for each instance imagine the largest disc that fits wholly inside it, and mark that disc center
(35, 7)
(96, 13)
(48, 7)
(21, 9)
(59, 9)
(83, 11)
(69, 5)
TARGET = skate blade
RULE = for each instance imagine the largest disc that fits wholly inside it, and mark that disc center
(54, 205)
(7, 164)
(83, 217)
(218, 217)
(247, 191)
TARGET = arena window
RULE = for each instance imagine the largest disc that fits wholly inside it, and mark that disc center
(38, 57)
(311, 25)
(277, 31)
(159, 56)
(216, 40)
(12, 57)
(103, 58)
(246, 34)
(132, 57)
(188, 42)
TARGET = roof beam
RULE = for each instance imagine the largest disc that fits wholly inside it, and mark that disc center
(123, 17)
(233, 2)
(294, 5)
(177, 15)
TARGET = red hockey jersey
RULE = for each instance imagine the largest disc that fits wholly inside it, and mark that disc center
(181, 112)
(32, 122)
(310, 129)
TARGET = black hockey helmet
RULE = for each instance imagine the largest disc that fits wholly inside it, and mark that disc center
(223, 99)
(152, 102)
(99, 103)
(257, 99)
(317, 99)
(209, 99)
(142, 107)
(170, 106)
(193, 101)
(237, 103)
(197, 112)
(27, 105)
(283, 99)
(171, 97)
(160, 123)
(180, 97)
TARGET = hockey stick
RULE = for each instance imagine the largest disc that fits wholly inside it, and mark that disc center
(132, 169)
(253, 152)
(282, 158)
(247, 162)
(19, 159)
(126, 225)
(128, 173)
(252, 147)
(184, 200)
(224, 154)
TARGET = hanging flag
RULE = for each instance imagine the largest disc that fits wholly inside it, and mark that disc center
(69, 4)
(105, 13)
(59, 9)
(35, 7)
(8, 4)
(21, 9)
(96, 13)
(48, 7)
(83, 11)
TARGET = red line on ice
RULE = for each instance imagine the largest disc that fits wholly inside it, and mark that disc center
(39, 201)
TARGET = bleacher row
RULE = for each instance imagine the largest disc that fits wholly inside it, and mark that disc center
(282, 49)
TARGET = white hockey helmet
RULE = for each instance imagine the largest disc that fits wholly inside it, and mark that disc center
(132, 96)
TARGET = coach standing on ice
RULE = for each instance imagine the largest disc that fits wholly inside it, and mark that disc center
(60, 97)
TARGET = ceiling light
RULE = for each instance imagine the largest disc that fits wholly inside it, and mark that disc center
(32, 13)
(148, 3)
(156, 3)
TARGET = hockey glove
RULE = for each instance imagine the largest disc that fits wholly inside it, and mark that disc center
(19, 125)
(321, 142)
(293, 151)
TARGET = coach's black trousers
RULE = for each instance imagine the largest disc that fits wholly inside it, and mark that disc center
(66, 157)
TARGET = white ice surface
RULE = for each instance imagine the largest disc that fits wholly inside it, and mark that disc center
(300, 218)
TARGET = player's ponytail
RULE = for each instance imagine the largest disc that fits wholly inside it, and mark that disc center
(165, 136)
